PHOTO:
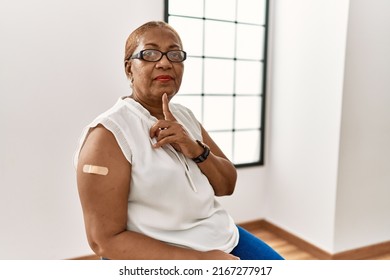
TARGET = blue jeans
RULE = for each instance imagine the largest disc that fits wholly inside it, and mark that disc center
(250, 247)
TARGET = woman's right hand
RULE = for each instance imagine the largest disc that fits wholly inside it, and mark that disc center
(217, 255)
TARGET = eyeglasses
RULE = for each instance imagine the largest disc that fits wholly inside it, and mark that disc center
(156, 55)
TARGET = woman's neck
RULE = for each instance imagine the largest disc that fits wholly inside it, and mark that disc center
(154, 108)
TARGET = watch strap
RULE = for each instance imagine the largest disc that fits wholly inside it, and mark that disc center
(204, 155)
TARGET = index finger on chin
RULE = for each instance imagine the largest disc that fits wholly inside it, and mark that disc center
(165, 106)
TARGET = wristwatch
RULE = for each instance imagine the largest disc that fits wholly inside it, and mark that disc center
(204, 155)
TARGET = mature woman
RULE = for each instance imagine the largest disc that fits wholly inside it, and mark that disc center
(148, 172)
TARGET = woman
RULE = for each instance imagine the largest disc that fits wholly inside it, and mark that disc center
(148, 172)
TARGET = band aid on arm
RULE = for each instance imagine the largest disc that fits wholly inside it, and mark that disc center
(94, 169)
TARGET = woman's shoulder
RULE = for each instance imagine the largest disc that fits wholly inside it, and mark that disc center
(113, 122)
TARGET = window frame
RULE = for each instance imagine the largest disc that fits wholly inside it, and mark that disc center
(263, 93)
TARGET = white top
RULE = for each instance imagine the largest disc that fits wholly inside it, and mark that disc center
(170, 198)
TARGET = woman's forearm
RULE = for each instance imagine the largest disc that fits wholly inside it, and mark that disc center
(221, 174)
(136, 246)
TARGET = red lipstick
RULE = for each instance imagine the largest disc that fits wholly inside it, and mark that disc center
(163, 78)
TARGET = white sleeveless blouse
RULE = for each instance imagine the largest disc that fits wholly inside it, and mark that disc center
(170, 198)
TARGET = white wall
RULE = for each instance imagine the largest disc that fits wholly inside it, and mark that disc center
(61, 65)
(328, 172)
(307, 79)
(363, 193)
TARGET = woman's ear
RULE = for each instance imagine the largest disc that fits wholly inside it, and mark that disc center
(128, 69)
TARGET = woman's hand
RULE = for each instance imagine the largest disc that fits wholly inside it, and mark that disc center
(170, 131)
(218, 169)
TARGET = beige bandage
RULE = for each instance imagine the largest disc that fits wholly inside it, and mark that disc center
(93, 169)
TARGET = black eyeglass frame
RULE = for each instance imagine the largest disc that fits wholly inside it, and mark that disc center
(140, 55)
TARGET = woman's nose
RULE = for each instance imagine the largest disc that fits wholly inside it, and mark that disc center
(164, 62)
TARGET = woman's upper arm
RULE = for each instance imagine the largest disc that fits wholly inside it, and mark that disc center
(103, 198)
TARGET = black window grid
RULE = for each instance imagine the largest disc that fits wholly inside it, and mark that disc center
(262, 94)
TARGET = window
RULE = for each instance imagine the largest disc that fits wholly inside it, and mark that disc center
(224, 76)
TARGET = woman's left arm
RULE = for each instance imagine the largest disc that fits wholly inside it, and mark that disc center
(219, 170)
